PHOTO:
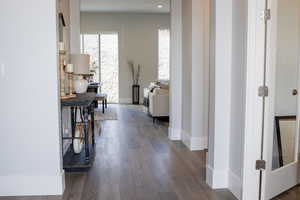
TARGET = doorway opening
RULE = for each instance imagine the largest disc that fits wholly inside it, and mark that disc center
(104, 51)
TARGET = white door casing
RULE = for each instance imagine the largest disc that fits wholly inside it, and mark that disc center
(254, 103)
(176, 71)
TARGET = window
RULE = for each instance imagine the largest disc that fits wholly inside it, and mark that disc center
(163, 54)
(104, 51)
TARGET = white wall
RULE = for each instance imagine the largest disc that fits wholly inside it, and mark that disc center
(175, 128)
(138, 36)
(219, 134)
(30, 133)
(238, 101)
(227, 97)
(186, 70)
(75, 26)
(200, 73)
(195, 66)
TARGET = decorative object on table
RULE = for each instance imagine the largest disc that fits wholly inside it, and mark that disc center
(61, 27)
(81, 64)
(80, 85)
(78, 141)
(61, 46)
(69, 70)
(62, 54)
(92, 78)
(136, 72)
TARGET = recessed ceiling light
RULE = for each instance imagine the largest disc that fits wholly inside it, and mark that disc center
(160, 6)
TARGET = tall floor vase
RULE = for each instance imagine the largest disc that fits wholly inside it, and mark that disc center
(135, 94)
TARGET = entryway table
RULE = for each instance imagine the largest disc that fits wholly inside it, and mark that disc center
(84, 103)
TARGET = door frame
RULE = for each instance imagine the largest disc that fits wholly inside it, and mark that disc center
(175, 71)
(175, 127)
(254, 104)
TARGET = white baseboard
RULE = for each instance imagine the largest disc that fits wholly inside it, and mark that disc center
(174, 134)
(198, 143)
(194, 143)
(216, 179)
(32, 185)
(235, 185)
(186, 139)
(125, 100)
(209, 175)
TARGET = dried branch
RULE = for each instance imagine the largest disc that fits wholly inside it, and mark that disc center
(135, 74)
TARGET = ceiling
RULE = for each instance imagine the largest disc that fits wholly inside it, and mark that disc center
(137, 6)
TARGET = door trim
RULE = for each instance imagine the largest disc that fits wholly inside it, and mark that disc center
(175, 129)
(254, 103)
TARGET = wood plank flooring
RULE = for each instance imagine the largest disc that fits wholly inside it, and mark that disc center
(135, 160)
(293, 194)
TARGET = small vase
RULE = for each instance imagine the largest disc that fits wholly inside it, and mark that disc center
(80, 85)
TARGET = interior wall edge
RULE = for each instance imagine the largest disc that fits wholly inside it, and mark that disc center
(31, 185)
(217, 179)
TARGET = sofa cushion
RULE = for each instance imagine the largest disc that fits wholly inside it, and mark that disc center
(163, 84)
(160, 91)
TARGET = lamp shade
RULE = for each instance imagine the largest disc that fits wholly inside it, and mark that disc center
(81, 63)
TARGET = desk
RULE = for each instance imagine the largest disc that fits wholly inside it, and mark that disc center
(85, 104)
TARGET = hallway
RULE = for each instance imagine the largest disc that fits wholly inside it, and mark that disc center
(135, 160)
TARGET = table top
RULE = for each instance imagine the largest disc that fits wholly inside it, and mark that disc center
(91, 85)
(85, 99)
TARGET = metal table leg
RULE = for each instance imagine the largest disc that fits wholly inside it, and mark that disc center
(92, 107)
(103, 106)
(73, 123)
(86, 133)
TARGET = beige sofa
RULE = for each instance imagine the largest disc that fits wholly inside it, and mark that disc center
(159, 102)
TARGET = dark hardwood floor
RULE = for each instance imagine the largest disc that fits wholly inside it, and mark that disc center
(135, 160)
(292, 194)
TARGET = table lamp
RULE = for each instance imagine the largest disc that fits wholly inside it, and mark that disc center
(81, 63)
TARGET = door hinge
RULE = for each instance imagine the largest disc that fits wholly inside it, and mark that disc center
(260, 165)
(263, 91)
(266, 14)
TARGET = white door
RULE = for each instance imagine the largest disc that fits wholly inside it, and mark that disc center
(281, 114)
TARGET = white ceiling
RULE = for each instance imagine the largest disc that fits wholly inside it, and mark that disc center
(144, 6)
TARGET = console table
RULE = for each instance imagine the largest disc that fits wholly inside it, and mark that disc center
(85, 104)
